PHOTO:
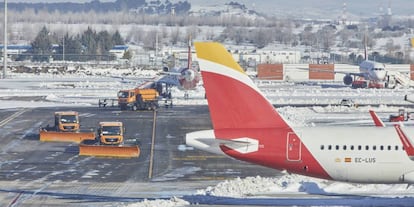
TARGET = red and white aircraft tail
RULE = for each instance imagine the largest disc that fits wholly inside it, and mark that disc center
(377, 121)
(247, 127)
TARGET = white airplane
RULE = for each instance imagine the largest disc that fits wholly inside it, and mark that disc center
(371, 72)
(184, 78)
(247, 127)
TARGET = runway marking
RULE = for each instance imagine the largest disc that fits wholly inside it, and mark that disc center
(15, 199)
(87, 115)
(11, 117)
(152, 146)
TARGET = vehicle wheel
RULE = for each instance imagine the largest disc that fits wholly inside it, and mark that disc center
(134, 108)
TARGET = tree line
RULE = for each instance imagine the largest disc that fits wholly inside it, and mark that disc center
(141, 6)
(89, 45)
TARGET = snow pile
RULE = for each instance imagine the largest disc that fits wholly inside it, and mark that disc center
(172, 202)
(297, 184)
(254, 186)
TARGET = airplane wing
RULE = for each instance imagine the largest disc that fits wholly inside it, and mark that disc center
(169, 80)
(330, 71)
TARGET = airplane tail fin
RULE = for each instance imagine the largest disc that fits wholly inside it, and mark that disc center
(377, 121)
(365, 47)
(234, 100)
(406, 141)
(189, 53)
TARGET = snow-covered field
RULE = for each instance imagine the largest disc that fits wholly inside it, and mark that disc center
(291, 190)
(46, 90)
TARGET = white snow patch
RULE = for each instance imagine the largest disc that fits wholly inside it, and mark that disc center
(172, 202)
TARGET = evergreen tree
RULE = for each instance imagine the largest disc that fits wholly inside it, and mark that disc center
(105, 42)
(42, 45)
(117, 39)
(72, 48)
(89, 41)
(127, 55)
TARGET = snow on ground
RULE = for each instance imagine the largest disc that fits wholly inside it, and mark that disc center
(297, 184)
(291, 190)
(27, 91)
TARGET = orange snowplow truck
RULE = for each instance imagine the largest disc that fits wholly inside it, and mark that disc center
(111, 133)
(66, 129)
(67, 121)
(138, 99)
(110, 143)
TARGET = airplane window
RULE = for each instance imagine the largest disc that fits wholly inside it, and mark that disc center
(352, 147)
(322, 147)
(389, 147)
(403, 148)
(344, 147)
(381, 147)
(359, 147)
(374, 147)
(337, 147)
(396, 147)
(366, 147)
(329, 147)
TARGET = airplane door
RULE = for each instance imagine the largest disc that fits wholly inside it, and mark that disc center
(293, 147)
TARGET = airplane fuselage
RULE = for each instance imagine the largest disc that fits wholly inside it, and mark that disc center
(372, 70)
(346, 154)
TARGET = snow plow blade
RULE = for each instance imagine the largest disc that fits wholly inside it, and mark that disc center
(109, 151)
(76, 137)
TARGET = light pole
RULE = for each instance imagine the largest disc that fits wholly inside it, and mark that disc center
(5, 41)
(63, 49)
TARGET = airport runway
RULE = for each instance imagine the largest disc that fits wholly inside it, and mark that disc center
(34, 173)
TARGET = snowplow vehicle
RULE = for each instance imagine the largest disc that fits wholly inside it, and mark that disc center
(66, 129)
(109, 143)
(138, 99)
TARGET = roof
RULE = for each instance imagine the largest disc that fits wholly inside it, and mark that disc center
(120, 47)
(66, 112)
(110, 123)
(17, 47)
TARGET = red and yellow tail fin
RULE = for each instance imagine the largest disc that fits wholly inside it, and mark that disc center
(234, 100)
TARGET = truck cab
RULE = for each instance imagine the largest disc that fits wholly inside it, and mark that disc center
(67, 121)
(111, 133)
(126, 98)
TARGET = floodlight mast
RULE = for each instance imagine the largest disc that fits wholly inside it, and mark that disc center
(5, 41)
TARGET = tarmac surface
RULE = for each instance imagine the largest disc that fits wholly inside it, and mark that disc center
(34, 173)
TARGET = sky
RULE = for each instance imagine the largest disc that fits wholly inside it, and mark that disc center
(303, 8)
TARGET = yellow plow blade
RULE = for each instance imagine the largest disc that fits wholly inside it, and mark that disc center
(76, 137)
(109, 151)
